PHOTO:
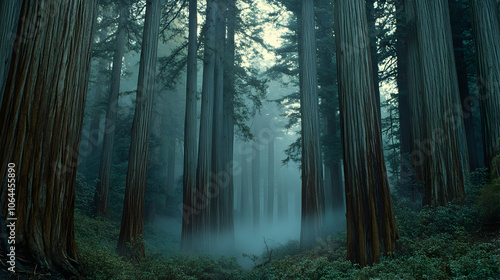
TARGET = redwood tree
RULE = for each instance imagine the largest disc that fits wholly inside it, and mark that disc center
(41, 116)
(371, 228)
(102, 189)
(132, 224)
(486, 30)
(312, 164)
(190, 149)
(439, 147)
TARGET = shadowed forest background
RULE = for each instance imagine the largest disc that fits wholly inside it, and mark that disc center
(269, 139)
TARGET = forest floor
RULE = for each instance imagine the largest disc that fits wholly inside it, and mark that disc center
(455, 241)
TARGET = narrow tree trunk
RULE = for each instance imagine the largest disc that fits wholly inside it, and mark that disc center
(371, 228)
(227, 218)
(95, 132)
(101, 196)
(486, 30)
(42, 116)
(171, 164)
(9, 16)
(190, 149)
(132, 224)
(245, 191)
(312, 164)
(256, 187)
(270, 182)
(402, 82)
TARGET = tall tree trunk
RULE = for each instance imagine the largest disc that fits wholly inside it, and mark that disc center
(327, 81)
(270, 182)
(217, 201)
(486, 30)
(402, 83)
(41, 120)
(463, 84)
(95, 132)
(171, 164)
(101, 196)
(256, 185)
(132, 224)
(190, 149)
(441, 144)
(9, 16)
(312, 164)
(245, 191)
(371, 228)
(204, 189)
(227, 215)
(413, 76)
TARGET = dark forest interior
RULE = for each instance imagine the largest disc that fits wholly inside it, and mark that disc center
(267, 139)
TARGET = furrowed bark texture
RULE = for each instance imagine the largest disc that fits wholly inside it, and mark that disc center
(440, 149)
(9, 16)
(132, 224)
(486, 30)
(190, 148)
(102, 189)
(371, 228)
(204, 190)
(312, 217)
(41, 116)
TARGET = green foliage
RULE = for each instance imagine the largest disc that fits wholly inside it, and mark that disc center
(435, 243)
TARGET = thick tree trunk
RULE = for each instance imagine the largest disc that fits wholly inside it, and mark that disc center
(190, 149)
(463, 86)
(41, 120)
(486, 30)
(9, 16)
(440, 150)
(132, 224)
(371, 228)
(312, 164)
(101, 196)
(204, 189)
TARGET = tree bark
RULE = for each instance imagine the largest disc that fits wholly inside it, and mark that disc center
(463, 85)
(9, 16)
(190, 149)
(312, 164)
(101, 196)
(440, 150)
(132, 224)
(486, 31)
(41, 116)
(371, 228)
(204, 189)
